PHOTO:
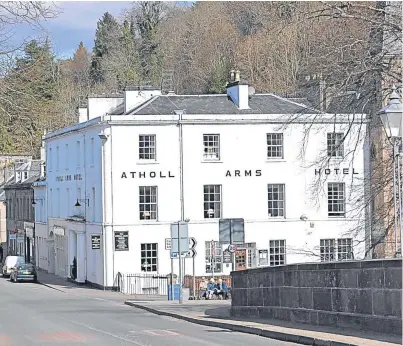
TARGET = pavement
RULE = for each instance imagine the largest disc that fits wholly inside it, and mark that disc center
(60, 313)
(216, 313)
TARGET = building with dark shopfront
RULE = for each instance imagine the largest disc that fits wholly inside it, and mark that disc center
(20, 218)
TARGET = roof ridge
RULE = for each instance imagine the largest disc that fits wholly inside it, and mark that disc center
(142, 105)
(296, 103)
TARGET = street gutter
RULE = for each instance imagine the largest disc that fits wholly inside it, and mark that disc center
(288, 337)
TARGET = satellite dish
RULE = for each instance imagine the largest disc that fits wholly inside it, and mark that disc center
(251, 90)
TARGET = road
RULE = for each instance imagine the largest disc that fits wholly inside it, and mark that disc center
(33, 314)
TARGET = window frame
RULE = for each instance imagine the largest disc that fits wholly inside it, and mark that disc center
(281, 245)
(215, 147)
(276, 201)
(152, 155)
(92, 151)
(66, 157)
(57, 158)
(153, 257)
(347, 243)
(324, 245)
(218, 257)
(334, 148)
(273, 146)
(144, 204)
(50, 159)
(78, 154)
(333, 202)
(207, 203)
(336, 244)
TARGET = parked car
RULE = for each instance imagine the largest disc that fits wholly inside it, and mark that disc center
(10, 263)
(23, 272)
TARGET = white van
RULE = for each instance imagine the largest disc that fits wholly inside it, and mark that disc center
(10, 263)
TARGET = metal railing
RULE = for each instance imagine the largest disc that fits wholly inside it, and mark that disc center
(142, 284)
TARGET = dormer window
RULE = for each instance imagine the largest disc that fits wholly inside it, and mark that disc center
(25, 175)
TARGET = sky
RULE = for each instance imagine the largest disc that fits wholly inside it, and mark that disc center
(77, 21)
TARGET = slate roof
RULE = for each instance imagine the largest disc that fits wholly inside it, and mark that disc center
(118, 110)
(348, 103)
(33, 172)
(219, 104)
(26, 183)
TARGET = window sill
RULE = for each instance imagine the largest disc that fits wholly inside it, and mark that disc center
(336, 158)
(211, 161)
(275, 160)
(147, 162)
(148, 221)
(337, 217)
(276, 218)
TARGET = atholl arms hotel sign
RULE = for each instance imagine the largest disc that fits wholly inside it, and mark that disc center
(229, 173)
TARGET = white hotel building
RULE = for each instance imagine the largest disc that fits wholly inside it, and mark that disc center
(124, 166)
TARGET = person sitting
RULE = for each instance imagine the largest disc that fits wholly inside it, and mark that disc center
(221, 290)
(210, 289)
(203, 288)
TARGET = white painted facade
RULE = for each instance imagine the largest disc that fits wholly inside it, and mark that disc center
(81, 168)
(41, 226)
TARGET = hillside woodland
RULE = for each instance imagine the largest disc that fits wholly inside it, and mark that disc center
(190, 49)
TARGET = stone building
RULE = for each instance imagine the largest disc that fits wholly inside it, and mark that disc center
(13, 168)
(19, 197)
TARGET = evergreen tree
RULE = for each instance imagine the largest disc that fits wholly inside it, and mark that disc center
(29, 99)
(107, 37)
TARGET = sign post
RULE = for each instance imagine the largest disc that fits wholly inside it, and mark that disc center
(232, 232)
(212, 258)
(179, 247)
(192, 254)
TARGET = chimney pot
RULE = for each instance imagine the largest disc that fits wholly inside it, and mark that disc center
(237, 76)
(232, 76)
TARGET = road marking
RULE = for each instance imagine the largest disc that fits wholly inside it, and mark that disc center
(65, 336)
(156, 332)
(4, 340)
(105, 333)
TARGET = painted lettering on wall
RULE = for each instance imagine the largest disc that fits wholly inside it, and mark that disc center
(68, 177)
(328, 171)
(244, 173)
(147, 175)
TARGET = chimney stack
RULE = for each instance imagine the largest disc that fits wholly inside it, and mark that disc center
(237, 91)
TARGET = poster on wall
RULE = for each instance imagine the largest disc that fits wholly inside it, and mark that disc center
(95, 242)
(122, 241)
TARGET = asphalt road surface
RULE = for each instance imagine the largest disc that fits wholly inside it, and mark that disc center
(33, 314)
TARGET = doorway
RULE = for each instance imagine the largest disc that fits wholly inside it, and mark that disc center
(240, 259)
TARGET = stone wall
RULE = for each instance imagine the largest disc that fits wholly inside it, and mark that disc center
(364, 295)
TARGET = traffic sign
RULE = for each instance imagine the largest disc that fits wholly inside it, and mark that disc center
(227, 256)
(175, 255)
(168, 243)
(232, 248)
(191, 253)
(192, 243)
(179, 234)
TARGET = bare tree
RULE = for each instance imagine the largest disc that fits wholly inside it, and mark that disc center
(354, 67)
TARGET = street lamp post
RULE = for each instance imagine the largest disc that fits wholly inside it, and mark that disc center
(392, 120)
